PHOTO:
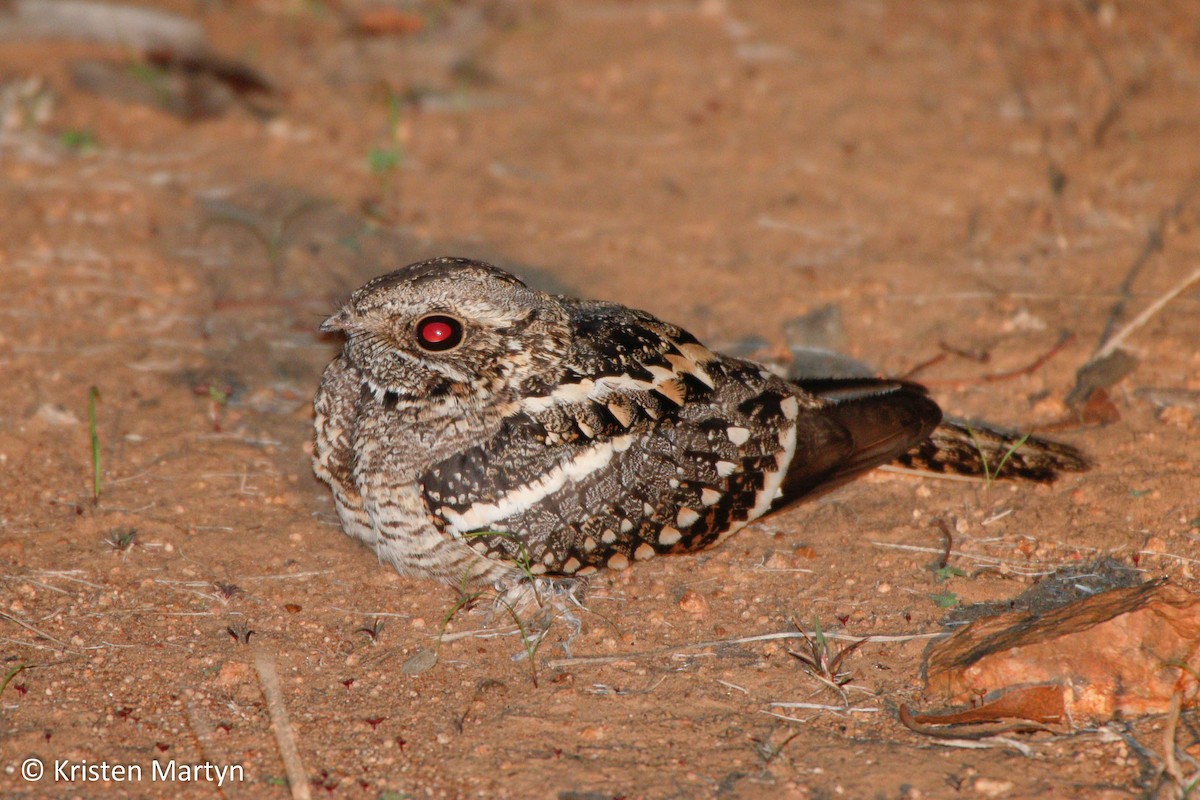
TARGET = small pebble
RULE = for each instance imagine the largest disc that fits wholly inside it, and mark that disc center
(694, 603)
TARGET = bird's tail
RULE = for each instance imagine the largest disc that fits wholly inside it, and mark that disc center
(959, 447)
(895, 421)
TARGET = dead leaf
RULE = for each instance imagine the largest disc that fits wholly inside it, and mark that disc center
(1125, 650)
(1033, 703)
(1022, 709)
(1099, 374)
(389, 22)
(421, 661)
(1100, 409)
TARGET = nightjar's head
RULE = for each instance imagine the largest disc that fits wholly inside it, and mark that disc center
(451, 328)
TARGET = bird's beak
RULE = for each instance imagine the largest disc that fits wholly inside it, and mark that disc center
(338, 322)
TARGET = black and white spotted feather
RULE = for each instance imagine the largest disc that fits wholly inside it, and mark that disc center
(561, 436)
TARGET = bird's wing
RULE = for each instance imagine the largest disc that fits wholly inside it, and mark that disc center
(646, 443)
(625, 368)
(861, 423)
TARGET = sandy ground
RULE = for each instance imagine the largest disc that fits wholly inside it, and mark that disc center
(974, 176)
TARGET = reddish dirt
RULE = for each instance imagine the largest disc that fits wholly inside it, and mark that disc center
(983, 175)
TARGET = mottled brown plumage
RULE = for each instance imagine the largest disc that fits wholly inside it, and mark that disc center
(474, 430)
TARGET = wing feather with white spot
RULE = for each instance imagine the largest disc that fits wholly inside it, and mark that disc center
(626, 367)
(647, 444)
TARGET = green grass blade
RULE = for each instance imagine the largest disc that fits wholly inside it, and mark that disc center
(93, 396)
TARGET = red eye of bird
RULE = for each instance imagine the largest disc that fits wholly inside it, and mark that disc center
(438, 332)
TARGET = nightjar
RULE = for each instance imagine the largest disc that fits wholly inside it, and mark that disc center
(477, 431)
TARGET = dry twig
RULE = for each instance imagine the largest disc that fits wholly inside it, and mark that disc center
(268, 678)
(995, 377)
(763, 637)
(1117, 339)
(1154, 244)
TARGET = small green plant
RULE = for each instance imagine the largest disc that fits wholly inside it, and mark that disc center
(1010, 452)
(531, 644)
(121, 539)
(93, 396)
(241, 632)
(990, 475)
(522, 558)
(155, 77)
(943, 574)
(373, 630)
(78, 140)
(12, 673)
(769, 752)
(386, 159)
(821, 662)
(218, 397)
(945, 600)
(464, 600)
